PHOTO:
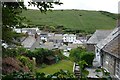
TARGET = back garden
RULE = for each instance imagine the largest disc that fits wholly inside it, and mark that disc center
(43, 61)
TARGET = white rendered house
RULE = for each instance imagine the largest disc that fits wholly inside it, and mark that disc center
(69, 38)
(30, 31)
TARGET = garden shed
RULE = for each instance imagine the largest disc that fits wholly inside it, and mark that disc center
(50, 60)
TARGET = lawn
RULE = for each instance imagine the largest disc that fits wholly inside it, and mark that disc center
(64, 64)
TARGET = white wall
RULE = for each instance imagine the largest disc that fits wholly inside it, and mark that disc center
(69, 38)
(77, 42)
(43, 38)
(97, 56)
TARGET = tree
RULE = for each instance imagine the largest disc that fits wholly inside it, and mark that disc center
(9, 52)
(26, 62)
(75, 54)
(87, 57)
(83, 58)
(84, 73)
(105, 74)
(80, 54)
(39, 54)
(11, 16)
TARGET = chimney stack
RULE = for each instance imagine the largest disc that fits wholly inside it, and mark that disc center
(118, 16)
(118, 22)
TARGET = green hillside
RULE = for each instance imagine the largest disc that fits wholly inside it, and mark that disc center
(74, 19)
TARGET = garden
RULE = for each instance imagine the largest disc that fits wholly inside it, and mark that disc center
(25, 64)
(63, 64)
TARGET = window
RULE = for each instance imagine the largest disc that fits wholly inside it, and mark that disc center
(117, 69)
(97, 50)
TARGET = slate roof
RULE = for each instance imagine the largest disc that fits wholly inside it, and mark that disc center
(72, 45)
(24, 30)
(31, 31)
(111, 44)
(69, 35)
(56, 37)
(64, 47)
(44, 33)
(18, 30)
(28, 42)
(51, 34)
(110, 37)
(113, 47)
(48, 45)
(98, 36)
(50, 57)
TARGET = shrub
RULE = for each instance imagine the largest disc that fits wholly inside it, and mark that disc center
(88, 57)
(43, 65)
(27, 62)
(10, 52)
(21, 50)
(18, 76)
(80, 54)
(60, 75)
(75, 54)
(30, 54)
(58, 54)
(39, 54)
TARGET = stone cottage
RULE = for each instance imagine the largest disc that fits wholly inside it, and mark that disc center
(108, 51)
(96, 38)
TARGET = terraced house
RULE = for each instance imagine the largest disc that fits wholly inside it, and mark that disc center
(109, 51)
(69, 38)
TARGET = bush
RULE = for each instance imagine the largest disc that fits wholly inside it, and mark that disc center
(88, 57)
(30, 54)
(18, 76)
(10, 52)
(43, 65)
(27, 62)
(60, 75)
(113, 16)
(21, 50)
(80, 54)
(39, 54)
(75, 54)
(58, 53)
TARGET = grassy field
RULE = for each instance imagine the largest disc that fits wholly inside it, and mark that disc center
(64, 64)
(74, 19)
